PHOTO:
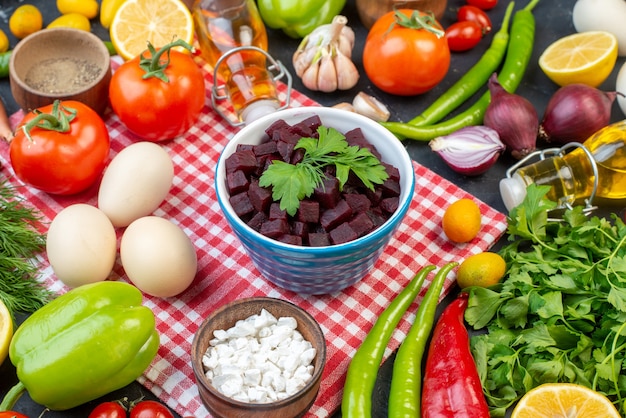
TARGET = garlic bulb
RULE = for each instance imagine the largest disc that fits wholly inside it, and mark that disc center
(323, 59)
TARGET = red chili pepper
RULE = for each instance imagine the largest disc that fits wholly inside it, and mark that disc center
(452, 386)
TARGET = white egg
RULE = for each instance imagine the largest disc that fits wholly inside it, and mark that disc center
(81, 245)
(135, 183)
(158, 257)
(620, 87)
(602, 15)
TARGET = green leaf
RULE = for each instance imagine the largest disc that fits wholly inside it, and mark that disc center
(294, 185)
(482, 306)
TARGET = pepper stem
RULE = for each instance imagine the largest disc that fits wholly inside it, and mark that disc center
(417, 20)
(154, 66)
(12, 396)
(58, 120)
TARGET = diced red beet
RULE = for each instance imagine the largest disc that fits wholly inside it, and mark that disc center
(260, 197)
(309, 211)
(300, 229)
(358, 202)
(333, 217)
(308, 127)
(377, 217)
(343, 233)
(244, 147)
(257, 220)
(285, 149)
(265, 148)
(297, 156)
(276, 128)
(241, 204)
(290, 239)
(319, 239)
(282, 131)
(389, 204)
(374, 196)
(276, 212)
(361, 224)
(393, 172)
(274, 228)
(390, 188)
(328, 193)
(237, 182)
(244, 160)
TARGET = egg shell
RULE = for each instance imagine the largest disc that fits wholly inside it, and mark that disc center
(158, 257)
(135, 183)
(81, 245)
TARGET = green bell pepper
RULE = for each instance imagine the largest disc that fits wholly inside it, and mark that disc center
(84, 344)
(298, 18)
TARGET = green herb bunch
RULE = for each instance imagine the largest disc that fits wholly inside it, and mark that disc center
(293, 182)
(20, 243)
(559, 315)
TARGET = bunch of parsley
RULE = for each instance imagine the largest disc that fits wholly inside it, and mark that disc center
(559, 315)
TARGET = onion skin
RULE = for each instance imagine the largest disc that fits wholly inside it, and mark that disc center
(469, 151)
(514, 118)
(574, 113)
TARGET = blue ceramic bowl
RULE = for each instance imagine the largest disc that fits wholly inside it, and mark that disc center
(318, 270)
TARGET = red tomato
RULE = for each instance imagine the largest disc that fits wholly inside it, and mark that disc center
(474, 14)
(463, 36)
(150, 409)
(108, 410)
(405, 60)
(483, 4)
(153, 109)
(11, 414)
(61, 163)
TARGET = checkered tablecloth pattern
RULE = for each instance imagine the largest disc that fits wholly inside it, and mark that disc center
(226, 273)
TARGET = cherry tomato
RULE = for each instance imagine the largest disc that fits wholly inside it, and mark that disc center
(108, 410)
(11, 414)
(61, 163)
(483, 4)
(153, 109)
(404, 60)
(474, 14)
(463, 36)
(150, 409)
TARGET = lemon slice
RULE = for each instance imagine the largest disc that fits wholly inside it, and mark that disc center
(564, 400)
(159, 22)
(585, 57)
(6, 331)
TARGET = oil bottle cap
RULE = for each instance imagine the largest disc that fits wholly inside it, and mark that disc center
(513, 191)
(256, 110)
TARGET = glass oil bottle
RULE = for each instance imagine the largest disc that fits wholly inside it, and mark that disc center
(595, 168)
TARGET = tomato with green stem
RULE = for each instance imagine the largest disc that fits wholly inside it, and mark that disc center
(160, 94)
(474, 14)
(60, 148)
(406, 52)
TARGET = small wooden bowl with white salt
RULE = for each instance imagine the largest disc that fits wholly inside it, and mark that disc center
(240, 350)
(63, 64)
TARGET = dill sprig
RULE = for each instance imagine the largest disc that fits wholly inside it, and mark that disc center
(20, 243)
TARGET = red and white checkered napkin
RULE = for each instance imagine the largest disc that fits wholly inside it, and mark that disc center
(226, 272)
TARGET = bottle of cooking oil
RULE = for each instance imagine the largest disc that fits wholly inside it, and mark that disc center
(232, 40)
(595, 168)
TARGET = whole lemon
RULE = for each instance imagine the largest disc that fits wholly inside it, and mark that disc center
(483, 269)
(461, 221)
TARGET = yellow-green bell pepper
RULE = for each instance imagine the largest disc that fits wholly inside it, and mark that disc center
(298, 18)
(92, 340)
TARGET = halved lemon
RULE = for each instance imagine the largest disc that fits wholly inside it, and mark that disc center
(564, 400)
(159, 22)
(585, 57)
(6, 331)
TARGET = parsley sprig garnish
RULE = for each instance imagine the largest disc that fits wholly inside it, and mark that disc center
(559, 315)
(293, 182)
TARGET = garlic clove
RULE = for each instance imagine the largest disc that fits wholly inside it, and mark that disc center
(371, 107)
(327, 76)
(347, 73)
(309, 77)
(345, 106)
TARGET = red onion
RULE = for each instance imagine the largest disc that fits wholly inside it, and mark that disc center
(470, 151)
(513, 117)
(575, 112)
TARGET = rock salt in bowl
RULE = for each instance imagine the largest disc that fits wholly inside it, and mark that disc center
(329, 269)
(224, 318)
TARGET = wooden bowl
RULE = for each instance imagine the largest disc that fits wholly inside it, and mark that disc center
(225, 317)
(60, 63)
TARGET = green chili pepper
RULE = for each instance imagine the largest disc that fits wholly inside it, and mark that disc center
(472, 80)
(84, 344)
(406, 379)
(298, 18)
(519, 51)
(5, 57)
(363, 369)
